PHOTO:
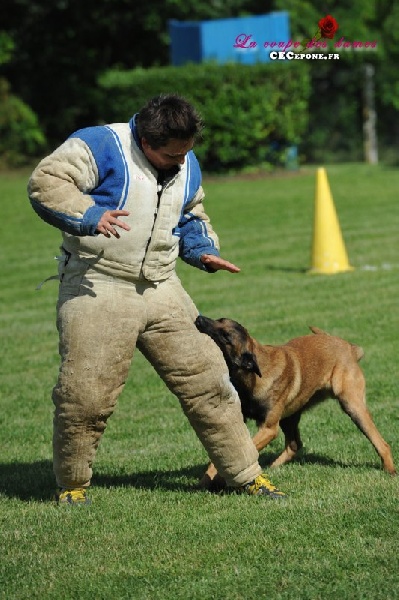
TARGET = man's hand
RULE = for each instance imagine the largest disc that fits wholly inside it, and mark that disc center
(217, 263)
(109, 221)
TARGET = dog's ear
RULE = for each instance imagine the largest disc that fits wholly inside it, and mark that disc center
(248, 362)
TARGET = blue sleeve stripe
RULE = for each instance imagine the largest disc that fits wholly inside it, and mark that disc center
(125, 188)
(187, 186)
(205, 233)
(56, 213)
(67, 223)
(193, 178)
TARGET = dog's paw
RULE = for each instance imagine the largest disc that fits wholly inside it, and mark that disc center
(218, 484)
(205, 482)
(215, 485)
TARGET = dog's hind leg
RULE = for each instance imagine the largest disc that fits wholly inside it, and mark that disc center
(355, 407)
(293, 442)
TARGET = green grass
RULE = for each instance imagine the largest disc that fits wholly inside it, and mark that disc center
(148, 533)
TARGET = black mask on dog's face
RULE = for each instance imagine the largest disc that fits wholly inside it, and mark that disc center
(248, 362)
(232, 338)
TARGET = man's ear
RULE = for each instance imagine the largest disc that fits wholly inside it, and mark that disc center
(248, 362)
(144, 143)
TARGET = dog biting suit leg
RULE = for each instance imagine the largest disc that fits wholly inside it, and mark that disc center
(277, 383)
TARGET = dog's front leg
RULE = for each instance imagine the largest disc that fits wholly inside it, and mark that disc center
(293, 443)
(266, 433)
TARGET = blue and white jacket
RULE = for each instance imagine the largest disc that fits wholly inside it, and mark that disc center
(103, 168)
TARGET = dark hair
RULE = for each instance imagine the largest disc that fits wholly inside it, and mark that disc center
(166, 117)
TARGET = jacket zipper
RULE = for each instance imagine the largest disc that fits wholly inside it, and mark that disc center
(159, 194)
(152, 231)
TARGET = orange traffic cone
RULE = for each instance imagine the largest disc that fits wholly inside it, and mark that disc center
(328, 249)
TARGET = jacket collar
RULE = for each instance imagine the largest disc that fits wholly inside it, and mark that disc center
(133, 127)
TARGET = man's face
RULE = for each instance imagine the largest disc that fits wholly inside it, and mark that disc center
(167, 157)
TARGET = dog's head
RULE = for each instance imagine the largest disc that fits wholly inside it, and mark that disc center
(233, 340)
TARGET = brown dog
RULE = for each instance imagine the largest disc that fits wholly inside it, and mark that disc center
(277, 383)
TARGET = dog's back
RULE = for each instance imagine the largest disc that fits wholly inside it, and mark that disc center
(326, 345)
(358, 352)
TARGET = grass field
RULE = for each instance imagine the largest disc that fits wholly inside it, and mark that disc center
(149, 534)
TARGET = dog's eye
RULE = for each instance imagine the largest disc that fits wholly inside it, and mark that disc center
(225, 336)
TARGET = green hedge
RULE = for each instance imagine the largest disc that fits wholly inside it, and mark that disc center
(252, 114)
(21, 136)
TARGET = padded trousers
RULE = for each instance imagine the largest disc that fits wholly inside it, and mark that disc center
(101, 320)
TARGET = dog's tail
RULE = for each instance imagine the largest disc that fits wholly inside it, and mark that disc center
(358, 352)
(317, 330)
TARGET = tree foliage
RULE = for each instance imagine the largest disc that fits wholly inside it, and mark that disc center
(252, 113)
(20, 133)
(61, 47)
(336, 104)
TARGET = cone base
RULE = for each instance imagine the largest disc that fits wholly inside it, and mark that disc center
(330, 270)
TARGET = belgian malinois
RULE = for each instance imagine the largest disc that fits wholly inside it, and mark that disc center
(277, 383)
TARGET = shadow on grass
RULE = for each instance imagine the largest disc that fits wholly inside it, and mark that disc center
(35, 481)
(285, 269)
(27, 481)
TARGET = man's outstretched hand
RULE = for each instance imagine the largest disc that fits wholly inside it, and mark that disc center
(217, 263)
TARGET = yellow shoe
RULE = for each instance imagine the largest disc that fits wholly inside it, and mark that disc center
(75, 496)
(261, 486)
